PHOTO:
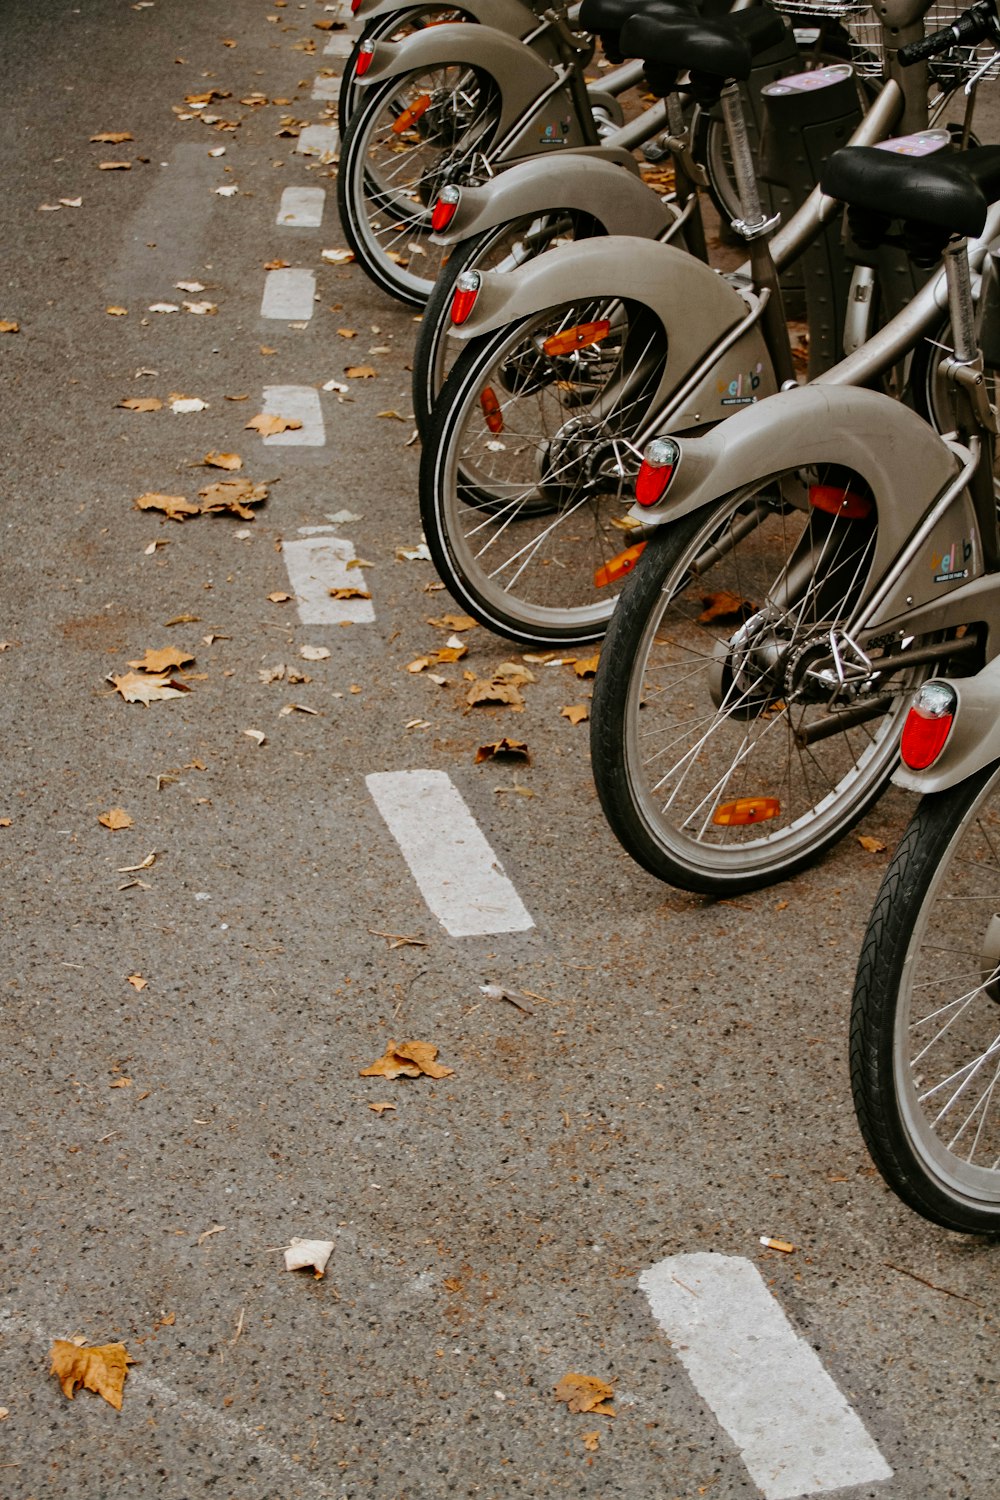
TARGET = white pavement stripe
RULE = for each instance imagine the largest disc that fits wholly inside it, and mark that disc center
(319, 140)
(459, 876)
(317, 564)
(289, 294)
(341, 44)
(326, 88)
(302, 207)
(796, 1433)
(297, 401)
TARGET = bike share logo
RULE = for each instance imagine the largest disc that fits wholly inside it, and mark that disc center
(742, 390)
(557, 133)
(948, 566)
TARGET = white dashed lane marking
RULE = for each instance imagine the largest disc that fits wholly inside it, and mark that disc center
(459, 876)
(796, 1433)
(289, 294)
(301, 403)
(316, 564)
(302, 207)
(319, 140)
(326, 88)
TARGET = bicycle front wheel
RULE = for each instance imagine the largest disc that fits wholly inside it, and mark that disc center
(724, 755)
(925, 1020)
(407, 138)
(528, 469)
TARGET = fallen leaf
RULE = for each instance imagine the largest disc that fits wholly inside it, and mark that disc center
(420, 553)
(136, 980)
(576, 713)
(503, 749)
(453, 622)
(206, 1234)
(256, 734)
(500, 992)
(871, 845)
(232, 495)
(380, 1107)
(117, 312)
(226, 192)
(314, 653)
(586, 666)
(115, 818)
(190, 286)
(112, 137)
(175, 507)
(399, 939)
(139, 687)
(162, 660)
(279, 597)
(101, 1368)
(408, 1060)
(201, 309)
(114, 166)
(276, 265)
(141, 403)
(120, 1083)
(391, 413)
(360, 372)
(339, 258)
(182, 620)
(272, 674)
(591, 1441)
(8, 325)
(585, 1393)
(348, 333)
(359, 562)
(164, 307)
(723, 606)
(143, 865)
(349, 592)
(267, 425)
(181, 403)
(314, 1253)
(494, 690)
(296, 708)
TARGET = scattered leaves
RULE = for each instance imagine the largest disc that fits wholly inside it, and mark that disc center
(101, 1368)
(591, 1441)
(408, 1060)
(585, 1393)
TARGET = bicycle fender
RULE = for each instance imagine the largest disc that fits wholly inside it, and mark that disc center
(518, 71)
(695, 305)
(503, 15)
(620, 203)
(974, 740)
(898, 454)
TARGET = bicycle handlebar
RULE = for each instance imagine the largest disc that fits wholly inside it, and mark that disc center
(973, 25)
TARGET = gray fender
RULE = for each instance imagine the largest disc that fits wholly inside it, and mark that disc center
(619, 202)
(974, 740)
(695, 305)
(520, 74)
(502, 15)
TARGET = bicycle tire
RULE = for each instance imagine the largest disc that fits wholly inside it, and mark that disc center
(929, 881)
(384, 28)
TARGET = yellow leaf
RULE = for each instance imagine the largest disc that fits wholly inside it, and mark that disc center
(381, 1107)
(140, 687)
(587, 665)
(136, 980)
(117, 312)
(8, 325)
(162, 660)
(591, 1441)
(141, 403)
(101, 1368)
(114, 166)
(350, 593)
(233, 495)
(267, 425)
(360, 372)
(576, 713)
(585, 1393)
(493, 690)
(453, 622)
(871, 845)
(115, 818)
(120, 1083)
(174, 507)
(407, 1060)
(112, 137)
(348, 333)
(279, 597)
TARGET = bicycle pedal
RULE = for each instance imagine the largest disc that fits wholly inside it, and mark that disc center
(658, 149)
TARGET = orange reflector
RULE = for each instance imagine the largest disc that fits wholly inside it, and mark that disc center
(619, 566)
(746, 810)
(577, 337)
(412, 115)
(837, 501)
(491, 409)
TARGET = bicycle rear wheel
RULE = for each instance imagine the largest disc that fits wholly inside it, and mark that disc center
(925, 1018)
(390, 28)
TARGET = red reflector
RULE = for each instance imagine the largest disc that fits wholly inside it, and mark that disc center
(444, 212)
(412, 115)
(355, 7)
(619, 566)
(365, 54)
(746, 810)
(491, 409)
(464, 300)
(923, 738)
(577, 337)
(837, 501)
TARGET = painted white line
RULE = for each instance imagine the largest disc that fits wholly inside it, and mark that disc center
(796, 1433)
(317, 564)
(459, 876)
(341, 44)
(289, 294)
(302, 207)
(326, 88)
(319, 140)
(301, 401)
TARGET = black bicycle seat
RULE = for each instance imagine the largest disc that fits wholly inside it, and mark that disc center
(949, 191)
(610, 15)
(669, 35)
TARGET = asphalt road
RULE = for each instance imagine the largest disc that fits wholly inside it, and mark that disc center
(676, 1084)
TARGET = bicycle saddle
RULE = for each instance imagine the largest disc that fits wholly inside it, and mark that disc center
(948, 191)
(671, 35)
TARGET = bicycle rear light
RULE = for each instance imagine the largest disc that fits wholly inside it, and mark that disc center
(365, 54)
(577, 337)
(928, 725)
(355, 7)
(445, 208)
(619, 566)
(659, 465)
(746, 810)
(411, 115)
(464, 300)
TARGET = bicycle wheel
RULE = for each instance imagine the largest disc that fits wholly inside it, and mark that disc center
(391, 28)
(503, 248)
(925, 1018)
(528, 469)
(407, 138)
(723, 755)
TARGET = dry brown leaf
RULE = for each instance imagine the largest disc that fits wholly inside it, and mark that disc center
(490, 690)
(350, 592)
(381, 1105)
(112, 137)
(576, 713)
(101, 1368)
(232, 495)
(360, 372)
(314, 653)
(276, 265)
(115, 818)
(504, 749)
(312, 1253)
(140, 687)
(267, 425)
(114, 166)
(229, 461)
(174, 507)
(162, 660)
(117, 312)
(280, 597)
(408, 1060)
(348, 333)
(586, 666)
(136, 980)
(141, 403)
(871, 845)
(120, 1083)
(182, 620)
(585, 1393)
(723, 606)
(394, 414)
(9, 325)
(453, 622)
(591, 1441)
